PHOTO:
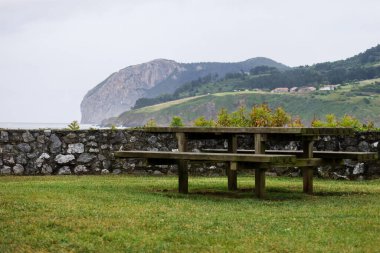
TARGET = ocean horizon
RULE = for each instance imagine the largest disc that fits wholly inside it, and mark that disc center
(32, 125)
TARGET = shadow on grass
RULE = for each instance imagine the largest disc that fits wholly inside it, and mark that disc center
(273, 194)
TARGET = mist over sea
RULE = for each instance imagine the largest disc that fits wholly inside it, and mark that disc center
(28, 125)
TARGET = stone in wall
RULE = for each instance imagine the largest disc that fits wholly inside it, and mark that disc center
(65, 170)
(76, 148)
(4, 136)
(64, 159)
(18, 169)
(55, 144)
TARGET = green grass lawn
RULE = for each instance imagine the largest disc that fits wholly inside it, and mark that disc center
(145, 214)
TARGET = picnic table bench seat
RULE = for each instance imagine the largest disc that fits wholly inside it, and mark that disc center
(218, 157)
(328, 155)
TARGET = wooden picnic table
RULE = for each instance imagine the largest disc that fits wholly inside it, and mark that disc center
(260, 159)
(306, 135)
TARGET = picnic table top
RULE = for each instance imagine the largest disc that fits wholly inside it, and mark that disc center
(254, 130)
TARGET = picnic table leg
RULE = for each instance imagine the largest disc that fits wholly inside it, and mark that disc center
(307, 180)
(260, 140)
(308, 171)
(260, 183)
(183, 176)
(232, 166)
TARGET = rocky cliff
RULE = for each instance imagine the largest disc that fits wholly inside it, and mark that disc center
(119, 92)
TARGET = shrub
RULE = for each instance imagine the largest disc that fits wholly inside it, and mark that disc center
(280, 118)
(296, 122)
(176, 122)
(317, 123)
(261, 116)
(345, 121)
(150, 123)
(203, 122)
(74, 126)
(349, 121)
(240, 118)
(331, 120)
(370, 125)
(223, 118)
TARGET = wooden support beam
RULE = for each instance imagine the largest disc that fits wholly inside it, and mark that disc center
(182, 142)
(183, 177)
(183, 174)
(260, 140)
(307, 172)
(307, 147)
(232, 166)
(232, 176)
(260, 183)
(307, 180)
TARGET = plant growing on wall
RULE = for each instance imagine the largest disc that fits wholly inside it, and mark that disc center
(223, 119)
(74, 126)
(150, 123)
(240, 118)
(203, 122)
(176, 122)
(296, 122)
(261, 116)
(280, 118)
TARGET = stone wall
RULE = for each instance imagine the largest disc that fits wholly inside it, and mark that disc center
(63, 152)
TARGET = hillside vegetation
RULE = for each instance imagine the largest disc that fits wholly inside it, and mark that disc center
(360, 67)
(119, 92)
(359, 99)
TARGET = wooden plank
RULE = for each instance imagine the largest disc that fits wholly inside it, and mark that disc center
(360, 156)
(232, 168)
(260, 183)
(227, 157)
(238, 130)
(326, 155)
(309, 162)
(253, 130)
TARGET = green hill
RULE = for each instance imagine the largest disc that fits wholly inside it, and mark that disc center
(363, 66)
(359, 99)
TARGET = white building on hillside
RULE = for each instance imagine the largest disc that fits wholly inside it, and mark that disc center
(329, 87)
(306, 89)
(280, 90)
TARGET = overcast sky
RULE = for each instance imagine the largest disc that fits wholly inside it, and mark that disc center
(53, 51)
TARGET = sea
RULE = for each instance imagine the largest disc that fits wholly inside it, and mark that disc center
(29, 125)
